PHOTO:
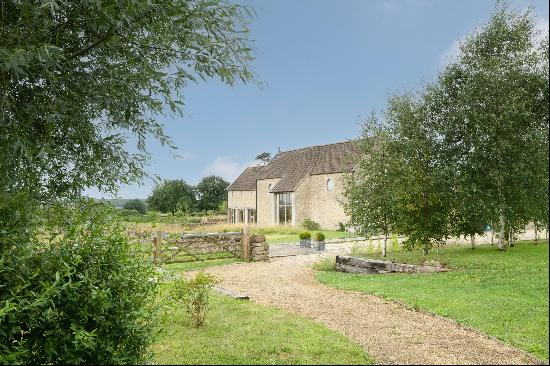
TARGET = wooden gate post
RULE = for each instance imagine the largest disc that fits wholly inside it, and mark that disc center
(245, 244)
(156, 245)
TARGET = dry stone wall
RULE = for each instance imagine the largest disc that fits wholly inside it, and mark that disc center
(259, 249)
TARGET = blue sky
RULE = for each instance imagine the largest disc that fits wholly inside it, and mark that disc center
(326, 64)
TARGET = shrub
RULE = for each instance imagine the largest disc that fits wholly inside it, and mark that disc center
(394, 243)
(319, 236)
(305, 235)
(309, 224)
(325, 265)
(78, 297)
(194, 295)
(341, 227)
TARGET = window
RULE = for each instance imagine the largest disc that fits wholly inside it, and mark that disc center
(269, 187)
(330, 185)
(284, 208)
(251, 216)
(232, 216)
(240, 215)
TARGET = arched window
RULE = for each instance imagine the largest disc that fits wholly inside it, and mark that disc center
(330, 185)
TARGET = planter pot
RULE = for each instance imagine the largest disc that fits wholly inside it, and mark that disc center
(305, 243)
(319, 245)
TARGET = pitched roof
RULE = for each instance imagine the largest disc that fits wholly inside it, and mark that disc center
(247, 180)
(292, 166)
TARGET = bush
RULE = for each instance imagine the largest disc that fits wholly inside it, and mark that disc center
(77, 295)
(194, 294)
(309, 224)
(305, 235)
(325, 265)
(319, 236)
(341, 227)
(394, 243)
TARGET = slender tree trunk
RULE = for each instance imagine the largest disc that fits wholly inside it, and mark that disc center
(492, 234)
(511, 236)
(501, 243)
(473, 240)
(536, 233)
(385, 242)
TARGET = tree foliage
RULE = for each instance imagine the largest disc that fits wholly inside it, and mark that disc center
(263, 158)
(470, 149)
(211, 192)
(172, 196)
(490, 110)
(79, 80)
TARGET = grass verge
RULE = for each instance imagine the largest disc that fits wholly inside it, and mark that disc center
(241, 332)
(190, 266)
(501, 293)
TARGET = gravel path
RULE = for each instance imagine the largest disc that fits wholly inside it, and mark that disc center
(387, 331)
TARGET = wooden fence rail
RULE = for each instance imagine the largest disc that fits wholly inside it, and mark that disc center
(180, 248)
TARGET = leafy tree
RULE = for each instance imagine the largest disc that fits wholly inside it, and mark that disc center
(81, 79)
(490, 110)
(398, 184)
(172, 196)
(137, 205)
(263, 158)
(211, 192)
(371, 199)
(421, 191)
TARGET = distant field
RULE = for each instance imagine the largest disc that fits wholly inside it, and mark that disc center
(273, 234)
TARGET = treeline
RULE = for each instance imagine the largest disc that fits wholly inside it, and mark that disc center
(468, 151)
(177, 196)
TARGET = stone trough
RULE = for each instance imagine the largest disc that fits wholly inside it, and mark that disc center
(370, 266)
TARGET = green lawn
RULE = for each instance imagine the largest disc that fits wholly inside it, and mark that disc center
(241, 332)
(504, 294)
(189, 266)
(277, 238)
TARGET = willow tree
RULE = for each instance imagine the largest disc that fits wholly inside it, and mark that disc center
(82, 80)
(490, 110)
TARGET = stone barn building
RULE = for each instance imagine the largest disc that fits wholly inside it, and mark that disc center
(293, 186)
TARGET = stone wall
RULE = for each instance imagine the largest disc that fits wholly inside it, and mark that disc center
(370, 266)
(315, 202)
(259, 249)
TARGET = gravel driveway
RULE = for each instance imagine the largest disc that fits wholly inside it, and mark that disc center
(387, 331)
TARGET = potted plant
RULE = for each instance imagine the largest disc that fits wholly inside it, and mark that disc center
(305, 239)
(319, 241)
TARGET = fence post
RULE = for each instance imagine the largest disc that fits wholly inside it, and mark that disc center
(156, 245)
(245, 244)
